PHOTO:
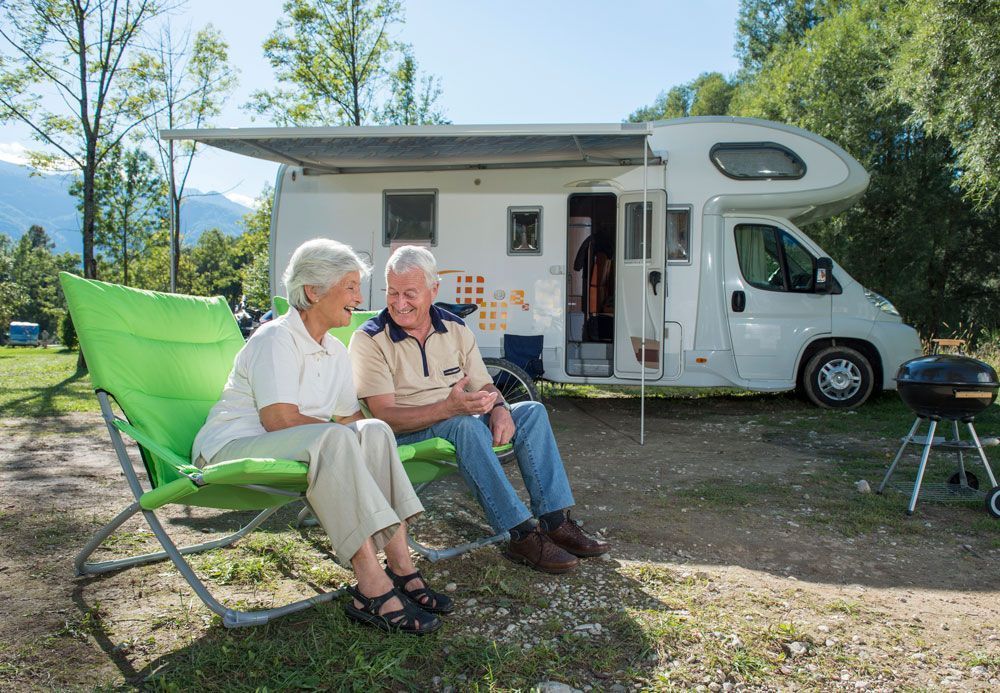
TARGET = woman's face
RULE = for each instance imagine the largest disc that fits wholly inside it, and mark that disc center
(335, 306)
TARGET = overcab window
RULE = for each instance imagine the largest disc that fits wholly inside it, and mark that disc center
(757, 161)
(410, 216)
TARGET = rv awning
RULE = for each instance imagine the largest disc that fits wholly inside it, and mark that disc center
(433, 147)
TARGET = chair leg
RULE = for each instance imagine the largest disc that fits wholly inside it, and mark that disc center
(306, 517)
(231, 618)
(84, 568)
(435, 555)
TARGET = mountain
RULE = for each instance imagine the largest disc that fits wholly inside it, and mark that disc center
(44, 199)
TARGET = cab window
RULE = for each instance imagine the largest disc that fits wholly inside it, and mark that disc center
(772, 259)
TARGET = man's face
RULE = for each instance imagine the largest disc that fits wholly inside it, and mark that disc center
(409, 299)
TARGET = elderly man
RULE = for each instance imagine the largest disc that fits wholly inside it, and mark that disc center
(418, 368)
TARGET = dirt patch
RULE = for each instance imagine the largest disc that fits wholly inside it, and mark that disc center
(742, 501)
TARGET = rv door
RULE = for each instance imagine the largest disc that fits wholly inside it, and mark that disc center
(772, 305)
(636, 320)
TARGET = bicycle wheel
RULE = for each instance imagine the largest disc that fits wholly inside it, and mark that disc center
(514, 384)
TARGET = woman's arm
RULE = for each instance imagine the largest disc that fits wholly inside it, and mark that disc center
(277, 417)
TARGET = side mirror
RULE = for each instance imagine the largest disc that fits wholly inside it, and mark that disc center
(823, 277)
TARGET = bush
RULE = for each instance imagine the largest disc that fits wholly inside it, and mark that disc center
(67, 333)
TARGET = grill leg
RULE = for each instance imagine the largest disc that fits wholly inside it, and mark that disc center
(963, 479)
(895, 461)
(923, 465)
(982, 455)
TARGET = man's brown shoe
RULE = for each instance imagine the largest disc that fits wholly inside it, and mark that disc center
(537, 551)
(570, 537)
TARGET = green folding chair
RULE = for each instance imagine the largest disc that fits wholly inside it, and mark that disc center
(163, 359)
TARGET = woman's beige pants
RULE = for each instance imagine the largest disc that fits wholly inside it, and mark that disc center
(357, 485)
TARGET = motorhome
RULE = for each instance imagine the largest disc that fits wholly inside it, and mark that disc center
(669, 253)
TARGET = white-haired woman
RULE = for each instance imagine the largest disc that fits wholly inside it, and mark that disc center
(291, 395)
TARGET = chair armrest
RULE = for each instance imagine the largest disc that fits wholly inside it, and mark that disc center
(181, 464)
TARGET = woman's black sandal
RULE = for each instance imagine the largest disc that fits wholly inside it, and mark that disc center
(424, 597)
(410, 619)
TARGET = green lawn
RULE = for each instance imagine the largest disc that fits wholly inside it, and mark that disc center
(42, 382)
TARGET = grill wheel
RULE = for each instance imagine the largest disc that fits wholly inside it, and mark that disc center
(993, 502)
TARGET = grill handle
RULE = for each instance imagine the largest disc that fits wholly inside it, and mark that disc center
(972, 394)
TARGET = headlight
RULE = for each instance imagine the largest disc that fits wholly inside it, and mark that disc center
(881, 302)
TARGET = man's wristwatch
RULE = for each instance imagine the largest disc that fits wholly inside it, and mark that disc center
(503, 404)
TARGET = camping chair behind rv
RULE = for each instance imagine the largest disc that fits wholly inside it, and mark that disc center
(163, 360)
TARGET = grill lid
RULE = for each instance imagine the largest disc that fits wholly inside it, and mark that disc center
(947, 369)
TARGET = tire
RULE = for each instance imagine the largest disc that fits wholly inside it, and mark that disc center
(838, 378)
(514, 384)
(993, 502)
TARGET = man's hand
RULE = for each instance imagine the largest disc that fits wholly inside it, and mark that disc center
(502, 426)
(473, 403)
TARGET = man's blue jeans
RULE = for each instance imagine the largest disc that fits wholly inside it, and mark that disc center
(537, 456)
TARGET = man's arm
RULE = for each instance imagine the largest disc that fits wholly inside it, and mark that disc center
(414, 418)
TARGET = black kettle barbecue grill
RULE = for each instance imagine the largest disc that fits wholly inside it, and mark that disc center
(954, 388)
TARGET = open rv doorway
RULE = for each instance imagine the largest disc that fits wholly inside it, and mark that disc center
(590, 284)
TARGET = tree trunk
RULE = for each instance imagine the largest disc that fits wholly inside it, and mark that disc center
(89, 173)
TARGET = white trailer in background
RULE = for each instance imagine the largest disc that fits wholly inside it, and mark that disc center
(541, 226)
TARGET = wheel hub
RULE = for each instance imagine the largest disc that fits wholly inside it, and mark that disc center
(840, 379)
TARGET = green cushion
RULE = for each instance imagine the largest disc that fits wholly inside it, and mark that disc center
(163, 357)
(286, 474)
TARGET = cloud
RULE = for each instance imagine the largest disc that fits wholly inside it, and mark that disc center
(14, 153)
(244, 200)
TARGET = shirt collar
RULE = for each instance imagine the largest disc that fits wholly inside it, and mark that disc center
(301, 335)
(398, 334)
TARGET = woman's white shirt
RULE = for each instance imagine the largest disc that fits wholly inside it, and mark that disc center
(281, 363)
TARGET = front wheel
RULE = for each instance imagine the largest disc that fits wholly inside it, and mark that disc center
(993, 502)
(514, 384)
(838, 378)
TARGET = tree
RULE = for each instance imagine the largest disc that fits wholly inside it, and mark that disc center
(78, 49)
(948, 72)
(11, 295)
(34, 269)
(707, 94)
(413, 97)
(763, 27)
(332, 61)
(912, 237)
(252, 252)
(188, 85)
(214, 270)
(131, 207)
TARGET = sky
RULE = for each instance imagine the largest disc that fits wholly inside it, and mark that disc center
(510, 61)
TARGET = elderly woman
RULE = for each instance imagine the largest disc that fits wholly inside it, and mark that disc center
(286, 385)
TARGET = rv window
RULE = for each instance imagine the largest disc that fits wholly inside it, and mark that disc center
(633, 224)
(772, 259)
(409, 216)
(524, 230)
(757, 161)
(679, 236)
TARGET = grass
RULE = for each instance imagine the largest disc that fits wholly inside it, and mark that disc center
(665, 627)
(43, 382)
